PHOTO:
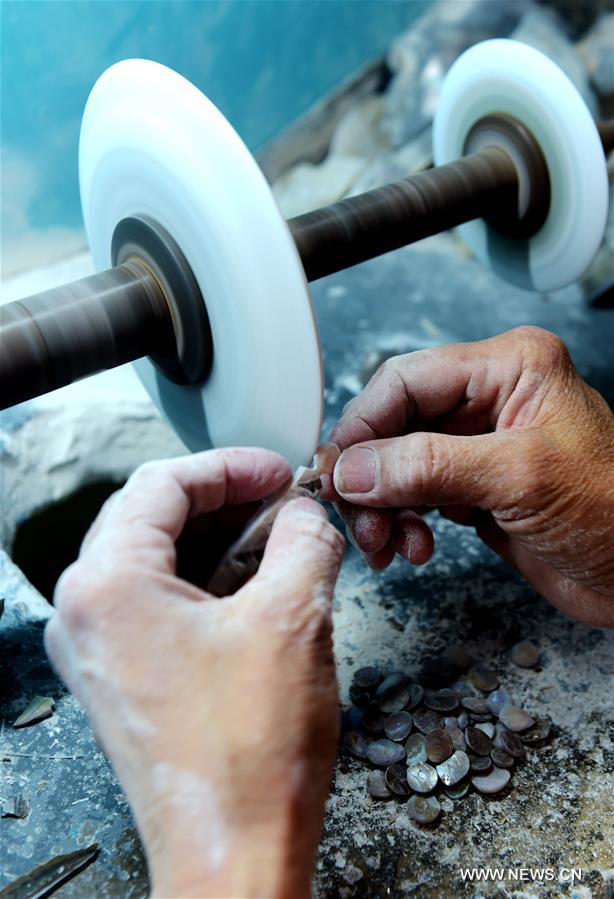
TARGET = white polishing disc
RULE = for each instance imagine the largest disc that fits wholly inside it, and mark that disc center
(503, 76)
(153, 145)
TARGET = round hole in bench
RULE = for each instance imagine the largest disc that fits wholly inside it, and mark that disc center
(49, 540)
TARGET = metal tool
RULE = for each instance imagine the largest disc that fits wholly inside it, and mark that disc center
(45, 879)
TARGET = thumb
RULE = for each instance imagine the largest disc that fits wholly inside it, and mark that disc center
(302, 557)
(429, 469)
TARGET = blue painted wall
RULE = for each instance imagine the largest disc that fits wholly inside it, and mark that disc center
(263, 62)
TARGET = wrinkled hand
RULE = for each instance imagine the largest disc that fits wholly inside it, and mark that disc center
(220, 717)
(502, 434)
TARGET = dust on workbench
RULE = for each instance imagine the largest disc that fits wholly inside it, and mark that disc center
(557, 812)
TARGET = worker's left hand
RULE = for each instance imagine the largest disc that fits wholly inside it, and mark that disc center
(220, 717)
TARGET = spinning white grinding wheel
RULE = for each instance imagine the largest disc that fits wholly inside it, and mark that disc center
(153, 145)
(510, 78)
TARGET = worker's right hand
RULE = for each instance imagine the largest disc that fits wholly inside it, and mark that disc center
(502, 434)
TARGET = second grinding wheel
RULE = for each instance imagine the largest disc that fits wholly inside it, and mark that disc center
(153, 146)
(506, 77)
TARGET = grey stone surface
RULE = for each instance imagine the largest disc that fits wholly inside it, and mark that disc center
(578, 15)
(358, 132)
(597, 52)
(544, 30)
(556, 813)
(415, 156)
(308, 138)
(306, 186)
(420, 58)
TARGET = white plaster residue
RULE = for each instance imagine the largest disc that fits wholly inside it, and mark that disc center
(321, 601)
(139, 725)
(195, 801)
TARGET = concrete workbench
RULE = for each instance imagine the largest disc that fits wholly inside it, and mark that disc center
(556, 814)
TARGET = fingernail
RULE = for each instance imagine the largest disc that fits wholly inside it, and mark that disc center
(326, 457)
(355, 470)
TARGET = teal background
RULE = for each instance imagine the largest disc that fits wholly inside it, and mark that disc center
(263, 62)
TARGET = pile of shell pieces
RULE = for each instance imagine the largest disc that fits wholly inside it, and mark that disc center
(422, 741)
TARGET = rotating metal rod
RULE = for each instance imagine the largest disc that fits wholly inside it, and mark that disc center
(362, 227)
(51, 339)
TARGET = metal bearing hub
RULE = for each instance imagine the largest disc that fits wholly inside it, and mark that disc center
(524, 217)
(148, 304)
(143, 242)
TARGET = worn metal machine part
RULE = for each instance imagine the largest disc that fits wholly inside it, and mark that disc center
(144, 242)
(45, 879)
(148, 304)
(393, 216)
(532, 193)
(151, 303)
(55, 337)
(210, 285)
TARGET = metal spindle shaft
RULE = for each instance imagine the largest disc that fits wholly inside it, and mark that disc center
(362, 227)
(53, 338)
(56, 337)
